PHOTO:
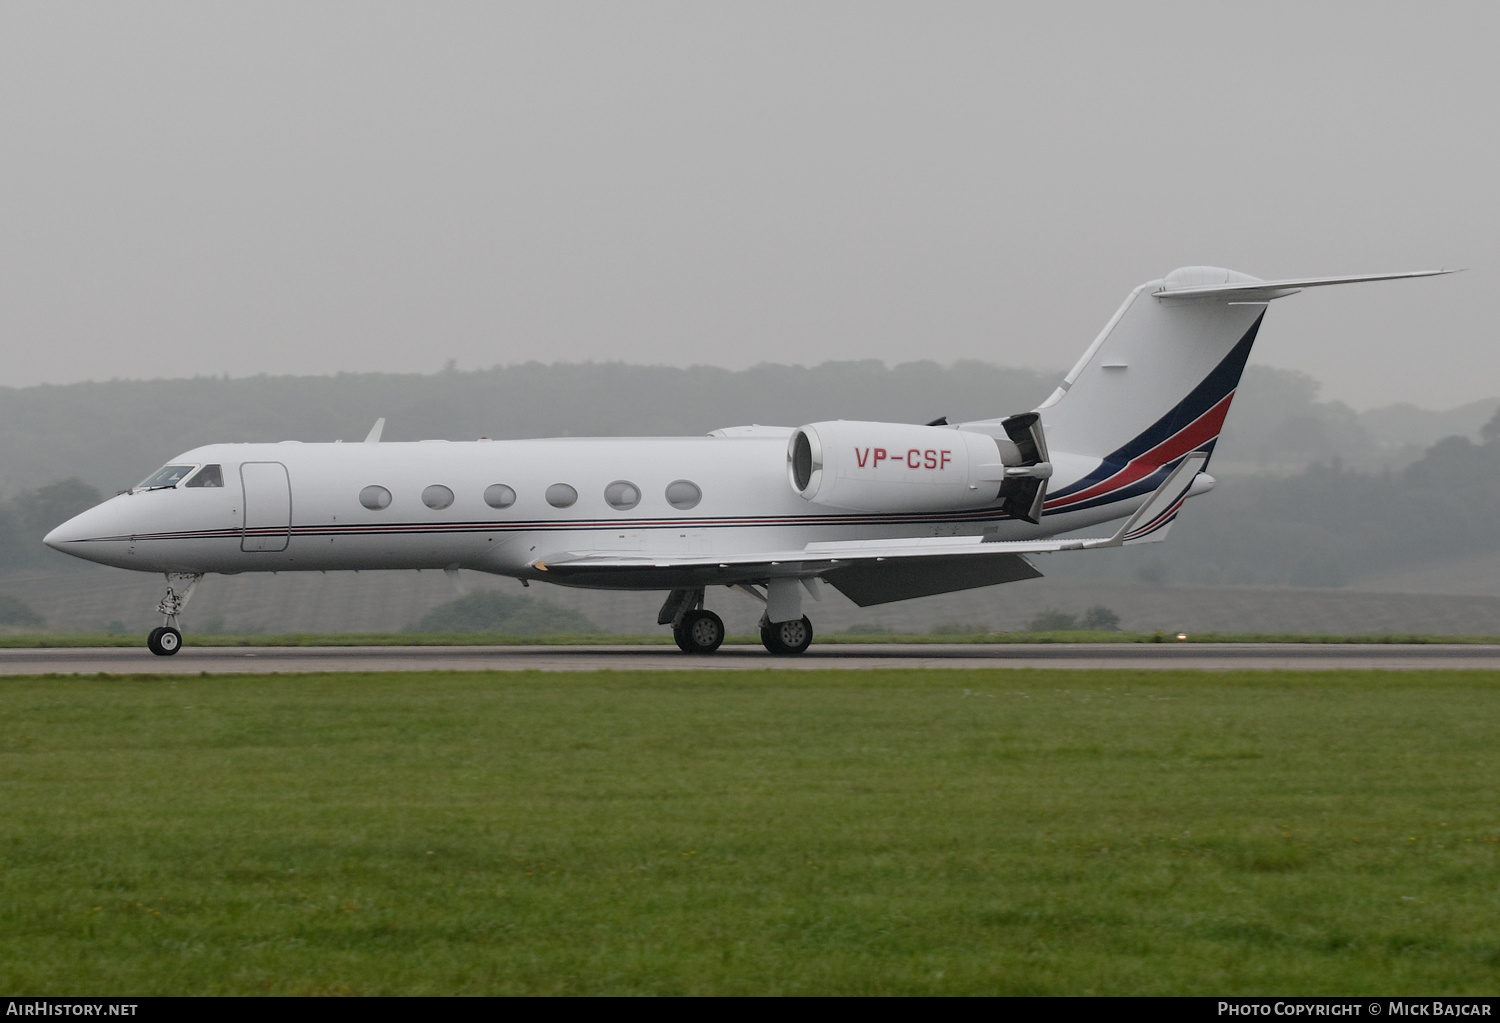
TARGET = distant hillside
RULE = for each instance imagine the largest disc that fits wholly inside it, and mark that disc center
(1405, 426)
(504, 613)
(1386, 499)
(29, 516)
(1278, 425)
(111, 435)
(1276, 544)
(1326, 526)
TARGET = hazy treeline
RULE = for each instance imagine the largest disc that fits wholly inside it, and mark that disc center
(29, 516)
(503, 613)
(1330, 524)
(1326, 525)
(18, 613)
(111, 435)
(1312, 526)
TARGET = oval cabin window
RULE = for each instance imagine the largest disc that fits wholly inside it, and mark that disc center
(375, 498)
(498, 495)
(683, 494)
(560, 495)
(437, 497)
(622, 495)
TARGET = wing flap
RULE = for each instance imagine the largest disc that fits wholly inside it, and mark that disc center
(880, 582)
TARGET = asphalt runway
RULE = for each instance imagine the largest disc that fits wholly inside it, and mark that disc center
(1197, 656)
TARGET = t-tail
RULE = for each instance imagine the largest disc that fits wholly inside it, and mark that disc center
(1156, 384)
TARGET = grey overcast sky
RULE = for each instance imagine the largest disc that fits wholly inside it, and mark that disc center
(193, 188)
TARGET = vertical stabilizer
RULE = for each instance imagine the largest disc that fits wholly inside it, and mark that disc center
(1160, 367)
(1156, 383)
(1154, 386)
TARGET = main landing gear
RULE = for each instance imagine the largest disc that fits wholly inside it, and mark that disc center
(786, 638)
(165, 640)
(698, 631)
(701, 632)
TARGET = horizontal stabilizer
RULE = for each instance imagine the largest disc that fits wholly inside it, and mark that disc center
(1264, 291)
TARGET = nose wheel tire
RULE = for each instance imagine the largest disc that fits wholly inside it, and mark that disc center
(787, 639)
(164, 641)
(701, 632)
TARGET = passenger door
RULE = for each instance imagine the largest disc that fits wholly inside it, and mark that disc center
(268, 507)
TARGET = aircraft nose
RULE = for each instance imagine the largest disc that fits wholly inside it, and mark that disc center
(64, 534)
(80, 535)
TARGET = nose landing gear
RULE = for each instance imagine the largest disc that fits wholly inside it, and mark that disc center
(166, 639)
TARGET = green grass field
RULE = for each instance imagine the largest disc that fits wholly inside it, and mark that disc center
(781, 832)
(32, 640)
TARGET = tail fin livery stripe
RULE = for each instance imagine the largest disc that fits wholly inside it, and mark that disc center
(1202, 412)
(1197, 434)
(1152, 519)
(1140, 488)
(1161, 521)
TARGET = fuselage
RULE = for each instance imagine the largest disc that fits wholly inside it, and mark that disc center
(497, 506)
(880, 511)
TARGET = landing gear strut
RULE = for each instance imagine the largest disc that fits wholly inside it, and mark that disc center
(696, 630)
(165, 640)
(784, 630)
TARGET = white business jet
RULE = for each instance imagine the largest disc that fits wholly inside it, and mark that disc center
(879, 511)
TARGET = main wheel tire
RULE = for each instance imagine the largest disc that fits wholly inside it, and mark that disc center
(702, 632)
(168, 641)
(787, 639)
(151, 638)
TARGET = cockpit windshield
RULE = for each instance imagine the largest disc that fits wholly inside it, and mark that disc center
(165, 477)
(208, 476)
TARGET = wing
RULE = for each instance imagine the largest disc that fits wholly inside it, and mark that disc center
(910, 566)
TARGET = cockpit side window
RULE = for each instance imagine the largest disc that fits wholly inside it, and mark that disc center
(167, 476)
(208, 476)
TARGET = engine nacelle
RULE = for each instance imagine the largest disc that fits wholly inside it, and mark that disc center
(894, 467)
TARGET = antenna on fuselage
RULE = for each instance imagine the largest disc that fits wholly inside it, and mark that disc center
(373, 437)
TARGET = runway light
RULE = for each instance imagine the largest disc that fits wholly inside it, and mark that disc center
(1182, 637)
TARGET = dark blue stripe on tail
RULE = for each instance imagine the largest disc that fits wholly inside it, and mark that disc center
(1219, 383)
